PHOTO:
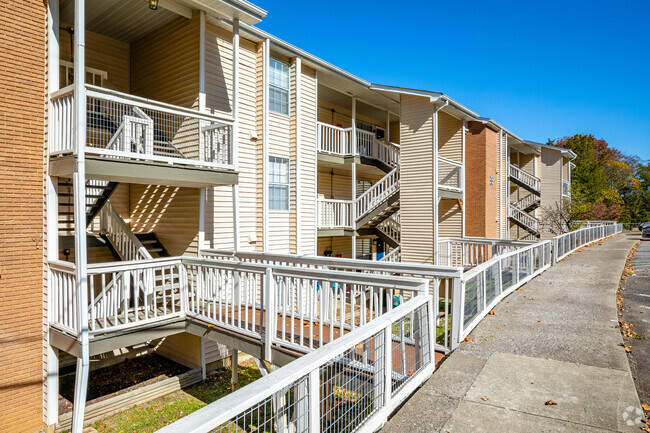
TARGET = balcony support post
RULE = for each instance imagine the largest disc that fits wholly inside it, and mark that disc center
(235, 130)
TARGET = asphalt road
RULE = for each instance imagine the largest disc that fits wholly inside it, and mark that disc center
(636, 305)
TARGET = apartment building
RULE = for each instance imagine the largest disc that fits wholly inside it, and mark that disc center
(147, 133)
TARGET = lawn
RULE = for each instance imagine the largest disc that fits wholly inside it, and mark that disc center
(157, 413)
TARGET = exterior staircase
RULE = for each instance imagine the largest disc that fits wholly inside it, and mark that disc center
(152, 244)
(379, 202)
(524, 220)
(528, 203)
(525, 180)
(97, 194)
(389, 230)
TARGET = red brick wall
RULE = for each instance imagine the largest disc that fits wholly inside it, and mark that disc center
(481, 197)
(22, 108)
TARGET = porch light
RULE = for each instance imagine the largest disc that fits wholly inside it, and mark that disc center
(153, 5)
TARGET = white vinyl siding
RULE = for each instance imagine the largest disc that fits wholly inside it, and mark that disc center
(278, 86)
(278, 184)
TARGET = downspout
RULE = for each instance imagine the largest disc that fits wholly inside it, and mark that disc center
(202, 108)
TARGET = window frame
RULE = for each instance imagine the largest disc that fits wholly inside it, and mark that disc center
(279, 87)
(287, 185)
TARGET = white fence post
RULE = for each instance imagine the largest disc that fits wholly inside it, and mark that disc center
(457, 311)
(270, 318)
(314, 401)
(388, 366)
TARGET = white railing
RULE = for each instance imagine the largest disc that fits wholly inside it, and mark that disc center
(485, 285)
(134, 293)
(335, 213)
(332, 139)
(467, 252)
(63, 305)
(350, 385)
(566, 188)
(526, 202)
(443, 280)
(450, 174)
(567, 243)
(395, 255)
(376, 194)
(127, 245)
(391, 228)
(124, 126)
(526, 178)
(593, 223)
(524, 218)
(338, 141)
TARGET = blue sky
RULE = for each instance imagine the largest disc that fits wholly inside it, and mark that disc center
(543, 69)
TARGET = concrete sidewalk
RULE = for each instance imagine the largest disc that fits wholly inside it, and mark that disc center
(554, 339)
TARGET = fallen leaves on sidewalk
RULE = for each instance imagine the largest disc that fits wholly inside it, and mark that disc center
(550, 403)
(467, 339)
(645, 406)
(484, 398)
(492, 313)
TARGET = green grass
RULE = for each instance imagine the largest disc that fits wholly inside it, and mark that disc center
(162, 411)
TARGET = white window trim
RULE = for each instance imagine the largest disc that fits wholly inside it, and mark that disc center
(288, 185)
(288, 89)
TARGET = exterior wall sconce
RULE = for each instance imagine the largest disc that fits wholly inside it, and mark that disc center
(153, 5)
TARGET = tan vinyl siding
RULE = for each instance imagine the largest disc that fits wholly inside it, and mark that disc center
(308, 162)
(261, 164)
(337, 186)
(551, 175)
(450, 137)
(451, 219)
(417, 180)
(218, 69)
(341, 245)
(183, 348)
(219, 215)
(170, 212)
(165, 66)
(279, 227)
(394, 132)
(527, 163)
(103, 53)
(343, 115)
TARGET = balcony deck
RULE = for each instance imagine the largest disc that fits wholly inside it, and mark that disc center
(137, 140)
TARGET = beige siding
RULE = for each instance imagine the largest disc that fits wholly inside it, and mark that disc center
(343, 115)
(218, 69)
(417, 180)
(337, 186)
(219, 216)
(551, 175)
(170, 212)
(103, 53)
(394, 132)
(450, 219)
(450, 137)
(183, 348)
(165, 67)
(341, 245)
(308, 162)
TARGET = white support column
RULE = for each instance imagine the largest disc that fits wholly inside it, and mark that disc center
(265, 143)
(52, 356)
(298, 67)
(354, 174)
(387, 138)
(234, 369)
(203, 367)
(315, 197)
(235, 130)
(79, 186)
(202, 108)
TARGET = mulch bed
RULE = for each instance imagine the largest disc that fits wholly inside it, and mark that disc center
(121, 378)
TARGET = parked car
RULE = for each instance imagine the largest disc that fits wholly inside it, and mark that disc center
(645, 231)
(644, 225)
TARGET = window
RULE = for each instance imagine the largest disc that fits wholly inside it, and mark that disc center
(278, 183)
(279, 86)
